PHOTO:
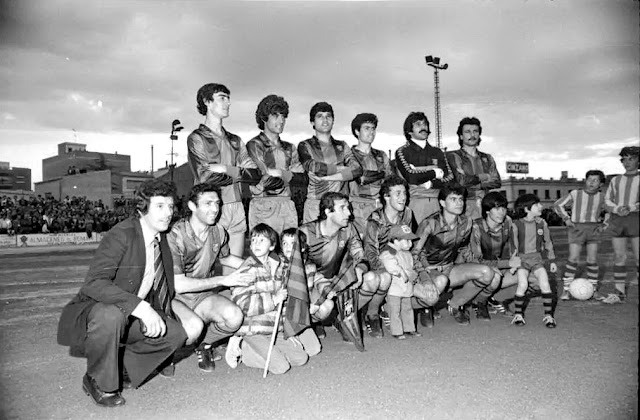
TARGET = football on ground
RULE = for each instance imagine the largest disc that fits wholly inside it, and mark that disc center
(581, 289)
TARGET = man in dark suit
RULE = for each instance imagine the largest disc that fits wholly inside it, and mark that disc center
(122, 314)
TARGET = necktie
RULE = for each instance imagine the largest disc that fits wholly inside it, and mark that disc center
(160, 280)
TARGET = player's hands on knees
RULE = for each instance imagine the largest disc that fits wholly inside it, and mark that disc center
(152, 323)
(623, 211)
(569, 223)
(553, 267)
(240, 277)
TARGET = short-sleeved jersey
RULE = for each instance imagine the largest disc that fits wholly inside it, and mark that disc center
(623, 191)
(585, 207)
(533, 236)
(376, 234)
(327, 252)
(192, 256)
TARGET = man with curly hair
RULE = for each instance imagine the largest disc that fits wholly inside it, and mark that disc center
(278, 163)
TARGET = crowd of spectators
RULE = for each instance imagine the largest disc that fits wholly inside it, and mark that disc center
(38, 214)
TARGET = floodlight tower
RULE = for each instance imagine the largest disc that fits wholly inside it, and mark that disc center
(435, 63)
(175, 128)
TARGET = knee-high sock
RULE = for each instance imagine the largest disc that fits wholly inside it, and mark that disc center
(376, 302)
(216, 332)
(620, 277)
(547, 303)
(592, 274)
(519, 304)
(569, 274)
(364, 297)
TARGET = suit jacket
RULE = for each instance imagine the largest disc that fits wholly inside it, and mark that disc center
(114, 278)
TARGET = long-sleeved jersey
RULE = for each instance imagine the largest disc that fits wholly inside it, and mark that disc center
(375, 167)
(585, 207)
(466, 170)
(321, 159)
(376, 234)
(410, 157)
(492, 247)
(205, 147)
(441, 244)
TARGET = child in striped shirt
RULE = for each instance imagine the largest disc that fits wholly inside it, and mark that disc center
(584, 227)
(531, 235)
(622, 203)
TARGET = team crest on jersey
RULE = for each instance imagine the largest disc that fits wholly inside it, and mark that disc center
(341, 243)
(339, 147)
(540, 232)
(215, 248)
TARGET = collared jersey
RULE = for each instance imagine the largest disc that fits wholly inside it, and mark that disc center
(321, 159)
(192, 256)
(205, 147)
(585, 207)
(375, 167)
(441, 244)
(376, 234)
(410, 157)
(466, 169)
(533, 236)
(327, 252)
(493, 247)
(267, 155)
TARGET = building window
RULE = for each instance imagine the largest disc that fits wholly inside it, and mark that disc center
(535, 192)
(132, 184)
(504, 193)
(521, 192)
(558, 194)
(547, 195)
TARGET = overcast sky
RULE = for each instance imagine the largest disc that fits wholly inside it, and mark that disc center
(555, 83)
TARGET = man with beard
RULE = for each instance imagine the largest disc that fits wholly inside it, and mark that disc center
(278, 163)
(471, 168)
(422, 165)
(442, 253)
(196, 242)
(394, 195)
(363, 191)
(329, 163)
(219, 157)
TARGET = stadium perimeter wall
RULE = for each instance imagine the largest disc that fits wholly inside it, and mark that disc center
(48, 239)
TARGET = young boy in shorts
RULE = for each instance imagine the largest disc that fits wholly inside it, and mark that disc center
(531, 235)
(583, 227)
(621, 201)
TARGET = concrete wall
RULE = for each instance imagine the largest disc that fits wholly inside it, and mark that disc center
(93, 185)
(57, 166)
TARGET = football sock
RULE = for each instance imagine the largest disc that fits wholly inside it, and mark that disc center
(592, 274)
(547, 302)
(619, 277)
(569, 274)
(519, 304)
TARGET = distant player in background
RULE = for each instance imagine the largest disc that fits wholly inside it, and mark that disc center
(532, 237)
(329, 163)
(471, 168)
(583, 228)
(622, 202)
(278, 163)
(363, 191)
(423, 166)
(220, 157)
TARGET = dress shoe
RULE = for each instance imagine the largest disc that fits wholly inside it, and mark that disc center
(101, 398)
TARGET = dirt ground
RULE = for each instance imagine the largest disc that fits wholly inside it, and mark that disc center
(585, 369)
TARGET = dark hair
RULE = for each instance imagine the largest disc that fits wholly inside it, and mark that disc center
(302, 239)
(263, 229)
(206, 92)
(328, 201)
(468, 121)
(199, 189)
(271, 105)
(320, 107)
(392, 181)
(360, 119)
(411, 119)
(447, 189)
(491, 201)
(596, 172)
(630, 151)
(524, 202)
(152, 188)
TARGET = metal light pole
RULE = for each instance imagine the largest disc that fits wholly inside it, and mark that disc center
(175, 128)
(435, 63)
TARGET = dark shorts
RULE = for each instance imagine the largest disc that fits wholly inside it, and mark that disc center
(624, 226)
(584, 233)
(532, 261)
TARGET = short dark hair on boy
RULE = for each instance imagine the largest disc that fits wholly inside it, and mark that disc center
(206, 92)
(328, 202)
(411, 119)
(360, 119)
(491, 201)
(468, 121)
(630, 151)
(271, 105)
(320, 107)
(447, 189)
(152, 188)
(596, 172)
(263, 229)
(524, 202)
(302, 239)
(392, 181)
(199, 189)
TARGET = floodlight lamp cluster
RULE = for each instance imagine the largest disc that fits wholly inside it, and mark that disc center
(175, 128)
(435, 62)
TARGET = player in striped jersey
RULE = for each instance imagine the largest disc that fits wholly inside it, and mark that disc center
(532, 238)
(363, 191)
(584, 227)
(621, 201)
(329, 163)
